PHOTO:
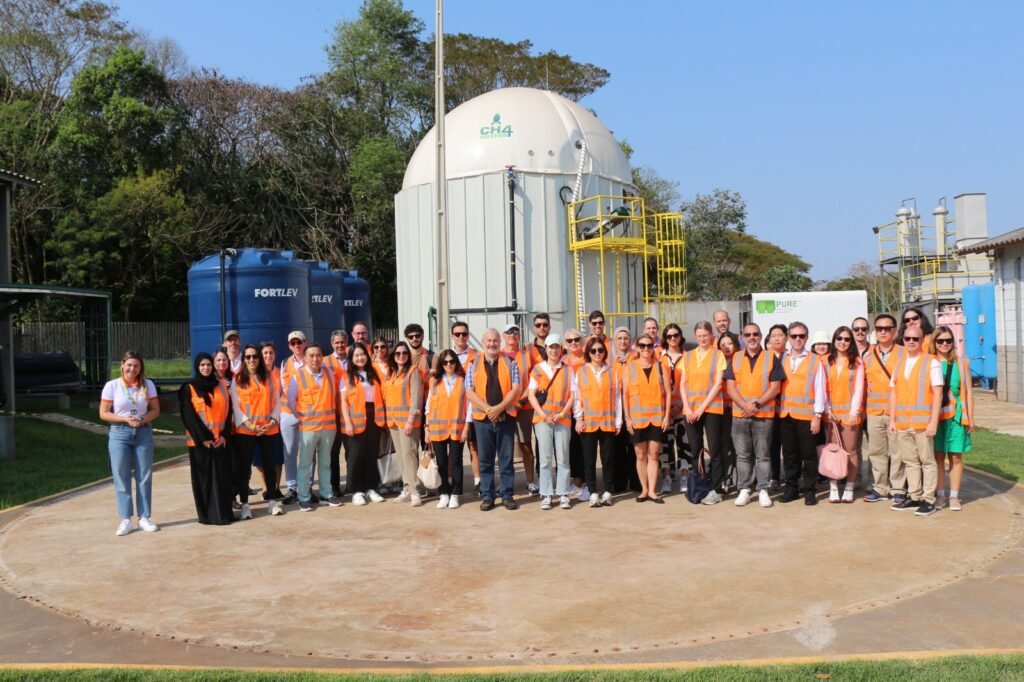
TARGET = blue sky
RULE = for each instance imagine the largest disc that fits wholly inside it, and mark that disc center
(823, 115)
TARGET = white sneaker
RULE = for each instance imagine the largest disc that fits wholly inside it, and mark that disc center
(275, 508)
(764, 499)
(545, 503)
(683, 475)
(359, 500)
(833, 496)
(415, 499)
(147, 525)
(246, 513)
(666, 484)
(443, 502)
(403, 496)
(532, 489)
(373, 495)
(940, 501)
(574, 491)
(847, 496)
(595, 501)
(124, 527)
(712, 498)
(584, 493)
(744, 498)
(564, 502)
(606, 498)
(453, 502)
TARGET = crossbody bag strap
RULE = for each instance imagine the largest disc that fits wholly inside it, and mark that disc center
(884, 368)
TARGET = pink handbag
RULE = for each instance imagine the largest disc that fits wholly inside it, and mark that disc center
(832, 458)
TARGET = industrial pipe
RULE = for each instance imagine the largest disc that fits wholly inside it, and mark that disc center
(230, 253)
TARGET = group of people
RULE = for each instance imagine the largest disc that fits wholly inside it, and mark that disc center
(754, 413)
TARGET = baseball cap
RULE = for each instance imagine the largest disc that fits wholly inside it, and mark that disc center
(553, 340)
(296, 335)
(510, 327)
(231, 332)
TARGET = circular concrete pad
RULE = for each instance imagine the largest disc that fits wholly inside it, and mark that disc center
(389, 582)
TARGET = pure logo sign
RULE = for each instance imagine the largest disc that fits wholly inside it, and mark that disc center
(275, 293)
(767, 306)
(495, 129)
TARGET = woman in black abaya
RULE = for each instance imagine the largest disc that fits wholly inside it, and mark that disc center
(205, 411)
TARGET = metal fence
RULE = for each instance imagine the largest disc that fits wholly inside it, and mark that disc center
(158, 340)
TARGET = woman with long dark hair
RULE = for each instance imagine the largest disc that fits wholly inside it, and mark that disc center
(844, 380)
(403, 405)
(257, 413)
(729, 345)
(130, 404)
(362, 414)
(206, 411)
(446, 423)
(646, 406)
(914, 318)
(776, 343)
(673, 368)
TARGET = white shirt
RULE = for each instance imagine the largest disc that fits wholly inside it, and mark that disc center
(235, 362)
(548, 370)
(367, 386)
(128, 401)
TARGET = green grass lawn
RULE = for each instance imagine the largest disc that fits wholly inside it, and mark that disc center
(52, 458)
(166, 423)
(988, 668)
(997, 454)
(159, 369)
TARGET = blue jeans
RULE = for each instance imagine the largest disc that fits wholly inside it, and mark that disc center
(132, 449)
(752, 439)
(495, 439)
(553, 448)
(292, 444)
(318, 442)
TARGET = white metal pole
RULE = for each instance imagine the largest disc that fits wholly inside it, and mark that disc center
(441, 183)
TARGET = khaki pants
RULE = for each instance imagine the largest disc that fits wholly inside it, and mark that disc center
(407, 449)
(887, 470)
(918, 454)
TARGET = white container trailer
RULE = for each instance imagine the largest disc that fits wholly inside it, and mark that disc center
(819, 310)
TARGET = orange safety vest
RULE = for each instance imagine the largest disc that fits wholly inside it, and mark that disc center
(470, 357)
(215, 415)
(559, 393)
(357, 405)
(675, 376)
(751, 383)
(446, 412)
(646, 400)
(257, 401)
(841, 390)
(538, 354)
(316, 402)
(914, 395)
(288, 370)
(504, 382)
(525, 365)
(878, 390)
(398, 400)
(700, 381)
(573, 361)
(796, 399)
(597, 396)
(333, 363)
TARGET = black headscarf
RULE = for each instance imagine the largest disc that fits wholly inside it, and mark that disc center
(203, 386)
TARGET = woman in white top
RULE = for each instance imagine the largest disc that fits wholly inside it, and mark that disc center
(551, 421)
(362, 413)
(447, 424)
(845, 400)
(130, 403)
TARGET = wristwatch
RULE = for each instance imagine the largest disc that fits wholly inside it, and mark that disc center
(757, 404)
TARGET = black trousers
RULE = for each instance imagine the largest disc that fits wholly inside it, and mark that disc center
(361, 451)
(339, 435)
(261, 449)
(212, 482)
(576, 467)
(801, 454)
(590, 442)
(624, 470)
(775, 453)
(710, 426)
(445, 451)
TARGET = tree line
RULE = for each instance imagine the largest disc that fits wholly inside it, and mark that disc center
(148, 164)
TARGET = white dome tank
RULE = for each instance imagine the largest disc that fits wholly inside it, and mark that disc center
(538, 133)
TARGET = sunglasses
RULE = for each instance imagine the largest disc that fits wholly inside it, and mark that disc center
(449, 361)
(252, 357)
(597, 351)
(460, 335)
(296, 342)
(414, 336)
(542, 325)
(884, 328)
(798, 336)
(943, 341)
(845, 339)
(573, 340)
(401, 353)
(860, 330)
(915, 339)
(751, 335)
(597, 323)
(674, 335)
(911, 318)
(645, 346)
(380, 346)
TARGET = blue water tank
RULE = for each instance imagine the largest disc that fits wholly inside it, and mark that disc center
(357, 300)
(979, 304)
(987, 295)
(266, 296)
(971, 303)
(326, 302)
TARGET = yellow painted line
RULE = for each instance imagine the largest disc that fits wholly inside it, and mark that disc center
(502, 669)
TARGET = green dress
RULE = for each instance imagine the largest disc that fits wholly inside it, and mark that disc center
(952, 435)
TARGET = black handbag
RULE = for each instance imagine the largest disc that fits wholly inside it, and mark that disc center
(542, 394)
(698, 483)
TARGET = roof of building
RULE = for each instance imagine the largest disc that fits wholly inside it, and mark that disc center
(12, 178)
(998, 242)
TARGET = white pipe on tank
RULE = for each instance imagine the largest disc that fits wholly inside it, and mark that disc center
(441, 183)
(941, 214)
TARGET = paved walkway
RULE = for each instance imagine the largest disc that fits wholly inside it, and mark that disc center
(159, 439)
(998, 415)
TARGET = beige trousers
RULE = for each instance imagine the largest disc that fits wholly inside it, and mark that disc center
(407, 448)
(918, 454)
(887, 471)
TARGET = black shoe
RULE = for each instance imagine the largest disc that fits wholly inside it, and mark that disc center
(254, 491)
(314, 498)
(305, 506)
(925, 509)
(487, 505)
(290, 498)
(791, 494)
(334, 501)
(810, 498)
(906, 504)
(510, 504)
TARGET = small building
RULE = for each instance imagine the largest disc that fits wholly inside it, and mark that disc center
(1007, 252)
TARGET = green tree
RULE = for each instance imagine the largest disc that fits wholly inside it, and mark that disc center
(711, 219)
(882, 290)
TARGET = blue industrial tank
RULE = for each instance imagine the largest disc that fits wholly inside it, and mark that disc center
(266, 295)
(357, 300)
(326, 302)
(979, 305)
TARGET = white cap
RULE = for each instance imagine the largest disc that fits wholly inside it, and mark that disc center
(296, 335)
(509, 327)
(821, 337)
(553, 340)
